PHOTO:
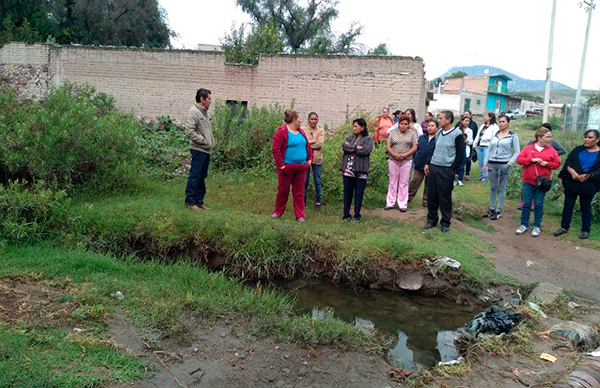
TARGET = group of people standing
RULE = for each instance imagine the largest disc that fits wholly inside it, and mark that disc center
(437, 153)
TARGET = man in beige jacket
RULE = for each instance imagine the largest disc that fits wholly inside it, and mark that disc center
(202, 142)
(316, 138)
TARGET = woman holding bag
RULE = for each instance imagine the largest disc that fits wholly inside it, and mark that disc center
(538, 161)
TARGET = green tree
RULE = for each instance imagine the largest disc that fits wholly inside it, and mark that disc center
(457, 74)
(381, 49)
(242, 48)
(140, 23)
(24, 33)
(328, 43)
(304, 28)
(593, 99)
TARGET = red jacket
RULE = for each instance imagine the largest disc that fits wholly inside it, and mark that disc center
(548, 154)
(280, 139)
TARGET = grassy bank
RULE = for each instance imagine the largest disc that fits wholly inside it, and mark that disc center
(155, 223)
(63, 342)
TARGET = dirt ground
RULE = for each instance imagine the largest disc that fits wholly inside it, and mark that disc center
(544, 258)
(220, 357)
(223, 356)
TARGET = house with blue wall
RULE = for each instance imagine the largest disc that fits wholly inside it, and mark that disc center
(494, 89)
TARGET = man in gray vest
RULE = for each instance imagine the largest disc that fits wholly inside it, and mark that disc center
(448, 155)
(202, 142)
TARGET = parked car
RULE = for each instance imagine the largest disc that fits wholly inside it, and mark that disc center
(515, 114)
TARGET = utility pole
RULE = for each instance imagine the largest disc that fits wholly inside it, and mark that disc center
(589, 7)
(549, 66)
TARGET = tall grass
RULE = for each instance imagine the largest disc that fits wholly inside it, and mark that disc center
(74, 138)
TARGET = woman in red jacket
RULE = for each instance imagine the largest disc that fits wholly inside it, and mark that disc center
(293, 156)
(538, 160)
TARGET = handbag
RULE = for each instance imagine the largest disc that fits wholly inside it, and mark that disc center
(541, 182)
(474, 155)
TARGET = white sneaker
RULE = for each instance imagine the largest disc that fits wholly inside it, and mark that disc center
(460, 183)
(535, 232)
(522, 229)
(455, 183)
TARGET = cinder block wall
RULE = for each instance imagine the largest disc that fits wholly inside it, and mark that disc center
(163, 82)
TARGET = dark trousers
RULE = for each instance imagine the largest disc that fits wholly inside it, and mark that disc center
(585, 205)
(439, 194)
(418, 178)
(461, 168)
(468, 165)
(353, 187)
(196, 187)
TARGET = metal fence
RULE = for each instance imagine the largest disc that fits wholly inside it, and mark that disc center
(581, 119)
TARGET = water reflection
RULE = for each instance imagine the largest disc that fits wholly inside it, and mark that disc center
(424, 326)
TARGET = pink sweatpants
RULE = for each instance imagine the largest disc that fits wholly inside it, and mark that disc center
(398, 188)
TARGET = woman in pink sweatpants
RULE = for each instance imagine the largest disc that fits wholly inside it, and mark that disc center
(401, 145)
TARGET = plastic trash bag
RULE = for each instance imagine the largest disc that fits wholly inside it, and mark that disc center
(494, 320)
(580, 335)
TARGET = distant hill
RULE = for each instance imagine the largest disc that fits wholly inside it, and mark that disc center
(516, 85)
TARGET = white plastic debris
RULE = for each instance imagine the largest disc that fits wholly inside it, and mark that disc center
(445, 262)
(595, 353)
(453, 362)
(573, 305)
(530, 263)
(537, 308)
(118, 295)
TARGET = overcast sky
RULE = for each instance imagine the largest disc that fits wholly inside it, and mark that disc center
(509, 34)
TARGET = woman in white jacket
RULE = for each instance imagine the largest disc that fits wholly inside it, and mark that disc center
(481, 144)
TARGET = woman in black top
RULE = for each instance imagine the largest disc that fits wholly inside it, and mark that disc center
(581, 178)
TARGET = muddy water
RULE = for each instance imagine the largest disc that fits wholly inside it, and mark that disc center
(424, 327)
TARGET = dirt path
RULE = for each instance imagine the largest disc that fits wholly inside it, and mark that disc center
(219, 357)
(544, 259)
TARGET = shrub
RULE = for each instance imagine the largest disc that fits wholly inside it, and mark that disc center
(244, 137)
(163, 147)
(378, 177)
(532, 123)
(74, 137)
(31, 214)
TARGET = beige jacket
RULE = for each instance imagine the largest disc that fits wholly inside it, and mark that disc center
(198, 130)
(316, 139)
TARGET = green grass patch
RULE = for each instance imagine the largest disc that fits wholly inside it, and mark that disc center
(37, 357)
(160, 298)
(155, 224)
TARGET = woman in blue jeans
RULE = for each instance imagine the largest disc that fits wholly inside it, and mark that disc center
(581, 178)
(316, 138)
(538, 160)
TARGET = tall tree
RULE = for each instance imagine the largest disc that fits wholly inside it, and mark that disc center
(244, 48)
(298, 24)
(140, 23)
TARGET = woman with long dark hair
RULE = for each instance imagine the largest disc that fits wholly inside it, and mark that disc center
(503, 152)
(413, 125)
(538, 161)
(293, 155)
(481, 144)
(581, 178)
(467, 132)
(355, 165)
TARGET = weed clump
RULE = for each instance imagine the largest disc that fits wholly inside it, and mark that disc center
(75, 137)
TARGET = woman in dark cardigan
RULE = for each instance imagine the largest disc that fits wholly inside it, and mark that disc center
(355, 166)
(581, 178)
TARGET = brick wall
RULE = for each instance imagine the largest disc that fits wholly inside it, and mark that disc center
(163, 82)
